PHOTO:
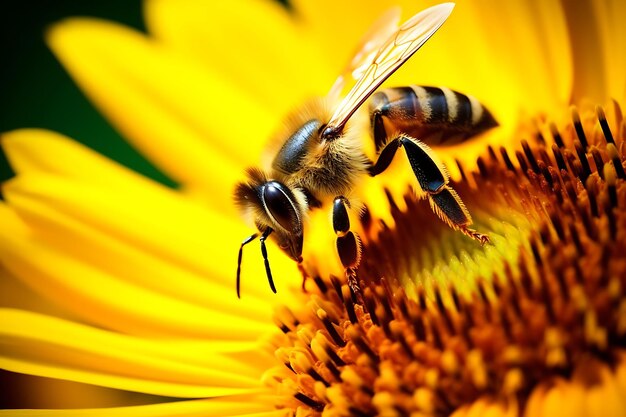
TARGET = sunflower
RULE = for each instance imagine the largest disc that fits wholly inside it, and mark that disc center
(114, 284)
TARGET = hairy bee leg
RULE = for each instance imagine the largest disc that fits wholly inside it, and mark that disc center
(240, 257)
(450, 208)
(268, 271)
(433, 180)
(348, 242)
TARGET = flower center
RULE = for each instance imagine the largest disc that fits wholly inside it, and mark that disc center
(442, 322)
(421, 252)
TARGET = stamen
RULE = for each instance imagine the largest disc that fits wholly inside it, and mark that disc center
(461, 170)
(617, 163)
(597, 159)
(348, 302)
(530, 157)
(507, 160)
(610, 175)
(582, 157)
(558, 140)
(558, 156)
(578, 126)
(604, 125)
(330, 328)
(360, 342)
(523, 165)
(320, 284)
(317, 406)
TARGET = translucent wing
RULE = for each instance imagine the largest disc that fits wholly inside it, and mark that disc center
(391, 55)
(370, 43)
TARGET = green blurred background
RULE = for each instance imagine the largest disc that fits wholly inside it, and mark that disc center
(35, 91)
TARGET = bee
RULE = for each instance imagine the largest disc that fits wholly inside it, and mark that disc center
(321, 159)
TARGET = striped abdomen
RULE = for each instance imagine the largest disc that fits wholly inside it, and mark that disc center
(436, 116)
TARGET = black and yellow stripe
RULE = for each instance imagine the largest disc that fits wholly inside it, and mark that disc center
(434, 115)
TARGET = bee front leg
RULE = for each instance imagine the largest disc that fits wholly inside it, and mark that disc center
(348, 242)
(433, 179)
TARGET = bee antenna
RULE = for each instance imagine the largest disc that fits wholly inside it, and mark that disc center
(244, 243)
(268, 271)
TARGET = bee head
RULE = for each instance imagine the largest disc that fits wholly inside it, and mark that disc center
(273, 205)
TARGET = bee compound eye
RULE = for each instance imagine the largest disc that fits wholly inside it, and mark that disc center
(281, 207)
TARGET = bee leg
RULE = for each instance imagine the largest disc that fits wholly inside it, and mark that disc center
(239, 258)
(348, 242)
(268, 271)
(433, 179)
(450, 208)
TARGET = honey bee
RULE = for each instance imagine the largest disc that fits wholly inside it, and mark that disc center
(322, 157)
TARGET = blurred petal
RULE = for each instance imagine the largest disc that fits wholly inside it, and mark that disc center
(529, 69)
(62, 277)
(30, 391)
(605, 396)
(338, 26)
(219, 355)
(42, 151)
(594, 389)
(599, 56)
(186, 119)
(486, 407)
(564, 399)
(203, 236)
(531, 63)
(14, 293)
(39, 345)
(49, 152)
(239, 407)
(255, 43)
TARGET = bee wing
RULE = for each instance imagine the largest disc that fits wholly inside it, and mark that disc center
(381, 30)
(391, 55)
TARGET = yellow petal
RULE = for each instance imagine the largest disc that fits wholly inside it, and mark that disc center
(564, 399)
(526, 71)
(620, 372)
(14, 293)
(255, 43)
(230, 407)
(476, 408)
(534, 405)
(32, 150)
(128, 263)
(39, 150)
(533, 59)
(211, 354)
(599, 55)
(339, 25)
(192, 123)
(604, 398)
(157, 221)
(110, 301)
(36, 365)
(29, 391)
(50, 347)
